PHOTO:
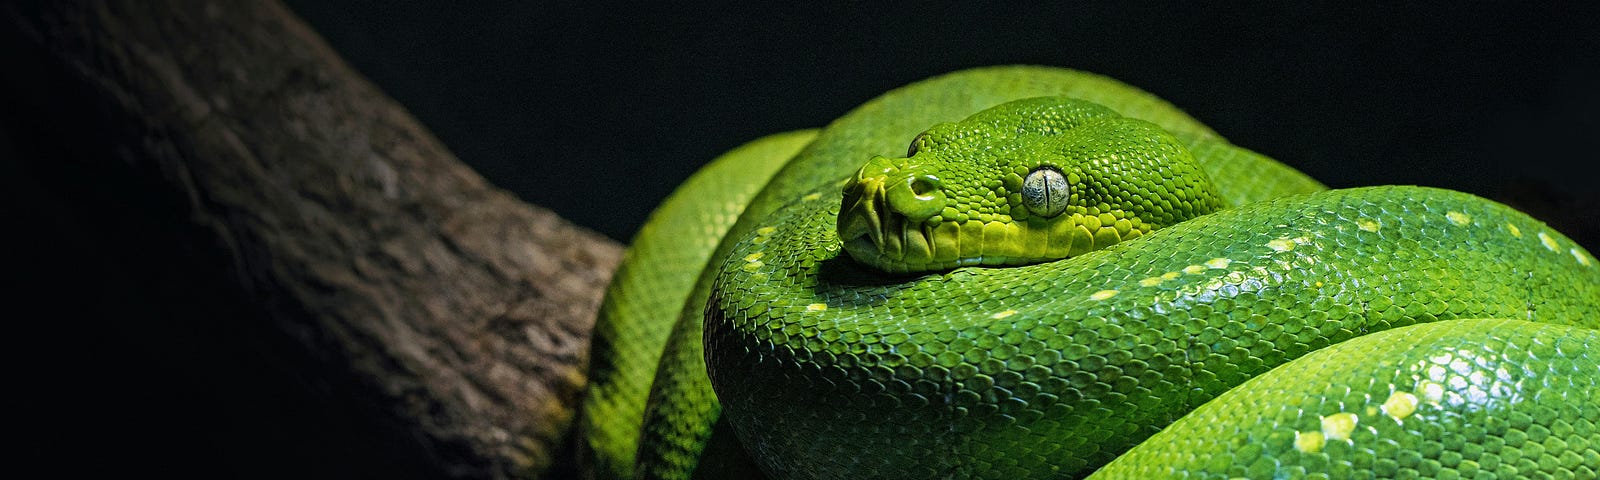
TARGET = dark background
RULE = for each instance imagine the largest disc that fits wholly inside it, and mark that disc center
(597, 112)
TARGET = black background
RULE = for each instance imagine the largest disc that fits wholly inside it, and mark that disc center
(598, 111)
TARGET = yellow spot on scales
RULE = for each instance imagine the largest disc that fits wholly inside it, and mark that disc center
(812, 197)
(1515, 232)
(1169, 275)
(816, 307)
(1102, 295)
(753, 262)
(1368, 224)
(1287, 244)
(1400, 405)
(1003, 314)
(1582, 259)
(1194, 269)
(1150, 282)
(1308, 442)
(1218, 263)
(763, 234)
(1548, 242)
(1339, 426)
(1458, 218)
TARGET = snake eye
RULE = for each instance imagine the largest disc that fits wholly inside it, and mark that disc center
(912, 150)
(1044, 192)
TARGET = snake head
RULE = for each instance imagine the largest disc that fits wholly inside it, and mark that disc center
(1024, 182)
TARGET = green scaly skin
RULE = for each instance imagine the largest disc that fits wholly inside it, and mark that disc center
(1400, 418)
(832, 369)
(652, 283)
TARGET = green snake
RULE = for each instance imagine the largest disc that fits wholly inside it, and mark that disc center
(1032, 272)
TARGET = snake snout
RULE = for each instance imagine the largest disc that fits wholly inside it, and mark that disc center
(879, 204)
(861, 212)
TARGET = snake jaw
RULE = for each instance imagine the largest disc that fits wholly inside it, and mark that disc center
(889, 219)
(874, 234)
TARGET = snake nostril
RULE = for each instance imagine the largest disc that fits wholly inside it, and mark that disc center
(916, 197)
(921, 185)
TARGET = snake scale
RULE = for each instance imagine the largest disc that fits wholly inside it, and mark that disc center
(1033, 272)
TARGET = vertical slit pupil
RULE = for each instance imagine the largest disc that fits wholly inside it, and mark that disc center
(1044, 192)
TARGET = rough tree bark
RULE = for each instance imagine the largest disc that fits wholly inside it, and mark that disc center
(220, 162)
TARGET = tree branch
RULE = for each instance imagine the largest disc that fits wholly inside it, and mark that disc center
(221, 147)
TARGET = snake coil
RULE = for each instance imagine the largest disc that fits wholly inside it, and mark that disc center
(1270, 329)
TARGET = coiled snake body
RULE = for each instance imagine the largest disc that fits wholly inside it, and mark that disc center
(1065, 276)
